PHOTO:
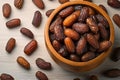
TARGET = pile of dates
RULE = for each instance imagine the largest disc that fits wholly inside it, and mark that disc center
(79, 33)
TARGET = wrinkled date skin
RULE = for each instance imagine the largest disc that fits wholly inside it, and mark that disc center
(41, 76)
(23, 62)
(77, 32)
(5, 76)
(66, 12)
(58, 21)
(92, 25)
(18, 3)
(30, 47)
(92, 41)
(104, 46)
(114, 3)
(103, 31)
(63, 51)
(56, 44)
(84, 14)
(81, 45)
(58, 30)
(102, 20)
(43, 64)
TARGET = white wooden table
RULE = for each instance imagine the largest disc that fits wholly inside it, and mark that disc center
(8, 62)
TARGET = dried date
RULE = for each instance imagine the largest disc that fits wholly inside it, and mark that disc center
(112, 73)
(56, 22)
(80, 28)
(59, 34)
(67, 11)
(114, 3)
(116, 19)
(84, 14)
(82, 43)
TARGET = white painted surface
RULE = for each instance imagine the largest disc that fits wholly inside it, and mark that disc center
(8, 62)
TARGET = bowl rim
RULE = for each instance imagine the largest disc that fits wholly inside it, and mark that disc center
(103, 55)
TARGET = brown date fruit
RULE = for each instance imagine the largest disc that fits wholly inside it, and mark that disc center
(41, 76)
(67, 11)
(30, 47)
(94, 18)
(27, 32)
(63, 51)
(48, 12)
(112, 73)
(103, 7)
(39, 3)
(63, 1)
(87, 56)
(104, 46)
(102, 20)
(80, 28)
(91, 11)
(10, 45)
(23, 62)
(92, 41)
(6, 9)
(43, 64)
(56, 22)
(69, 45)
(13, 23)
(69, 21)
(114, 3)
(18, 3)
(56, 44)
(59, 34)
(5, 76)
(37, 19)
(103, 32)
(81, 45)
(71, 33)
(83, 14)
(92, 25)
(74, 57)
(116, 19)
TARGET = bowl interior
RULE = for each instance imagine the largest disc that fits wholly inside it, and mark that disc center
(102, 56)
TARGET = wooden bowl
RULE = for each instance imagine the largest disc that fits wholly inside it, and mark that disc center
(72, 65)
